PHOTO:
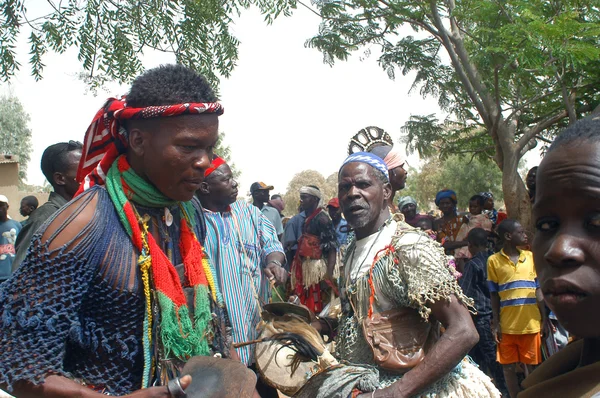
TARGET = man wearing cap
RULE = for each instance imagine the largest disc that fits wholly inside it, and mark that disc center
(123, 292)
(339, 223)
(260, 196)
(315, 258)
(394, 268)
(9, 229)
(244, 249)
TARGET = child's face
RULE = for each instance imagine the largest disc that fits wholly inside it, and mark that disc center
(474, 207)
(566, 246)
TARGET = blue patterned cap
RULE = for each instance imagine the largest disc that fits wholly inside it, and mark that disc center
(370, 159)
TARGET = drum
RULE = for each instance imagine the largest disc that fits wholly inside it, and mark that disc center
(274, 364)
(275, 361)
(218, 378)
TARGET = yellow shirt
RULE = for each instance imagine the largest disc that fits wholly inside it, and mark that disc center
(516, 285)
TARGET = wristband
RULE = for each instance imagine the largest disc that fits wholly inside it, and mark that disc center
(275, 262)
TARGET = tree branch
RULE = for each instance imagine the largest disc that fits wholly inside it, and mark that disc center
(538, 128)
(471, 92)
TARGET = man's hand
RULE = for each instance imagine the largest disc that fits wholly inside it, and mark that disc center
(497, 332)
(276, 272)
(160, 392)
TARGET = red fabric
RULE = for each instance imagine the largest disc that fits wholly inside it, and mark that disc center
(192, 256)
(501, 217)
(217, 161)
(105, 138)
(335, 202)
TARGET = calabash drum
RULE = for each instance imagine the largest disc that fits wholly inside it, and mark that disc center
(274, 363)
(273, 360)
(218, 378)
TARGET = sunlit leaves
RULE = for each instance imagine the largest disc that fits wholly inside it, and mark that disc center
(112, 35)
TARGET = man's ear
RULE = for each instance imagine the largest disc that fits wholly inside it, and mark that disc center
(387, 191)
(204, 188)
(59, 178)
(137, 139)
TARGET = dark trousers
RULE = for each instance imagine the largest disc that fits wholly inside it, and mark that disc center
(484, 353)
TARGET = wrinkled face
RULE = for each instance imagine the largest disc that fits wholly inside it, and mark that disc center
(398, 178)
(474, 207)
(3, 211)
(25, 209)
(362, 195)
(223, 188)
(409, 210)
(308, 202)
(175, 154)
(261, 195)
(566, 246)
(447, 206)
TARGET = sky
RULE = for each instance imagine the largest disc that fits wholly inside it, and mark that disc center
(285, 110)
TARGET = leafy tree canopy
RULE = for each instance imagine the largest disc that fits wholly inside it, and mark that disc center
(112, 35)
(508, 73)
(15, 136)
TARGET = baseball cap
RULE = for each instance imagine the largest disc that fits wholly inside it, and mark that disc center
(3, 199)
(335, 202)
(258, 186)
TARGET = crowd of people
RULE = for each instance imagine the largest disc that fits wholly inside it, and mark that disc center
(144, 262)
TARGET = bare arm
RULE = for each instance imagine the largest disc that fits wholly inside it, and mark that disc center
(60, 387)
(460, 336)
(454, 245)
(495, 298)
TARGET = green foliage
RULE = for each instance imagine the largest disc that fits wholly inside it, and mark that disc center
(15, 136)
(531, 66)
(112, 35)
(224, 151)
(465, 176)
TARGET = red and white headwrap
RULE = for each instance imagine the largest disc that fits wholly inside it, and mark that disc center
(106, 138)
(394, 159)
(216, 162)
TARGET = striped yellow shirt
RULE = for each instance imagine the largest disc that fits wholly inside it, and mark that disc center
(516, 285)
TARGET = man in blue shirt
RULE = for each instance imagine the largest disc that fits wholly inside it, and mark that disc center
(9, 229)
(340, 224)
(474, 285)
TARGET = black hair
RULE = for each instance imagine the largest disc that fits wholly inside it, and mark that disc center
(168, 85)
(479, 199)
(31, 201)
(587, 129)
(314, 186)
(54, 158)
(534, 168)
(478, 237)
(507, 226)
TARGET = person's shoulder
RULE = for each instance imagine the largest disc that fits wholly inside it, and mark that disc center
(92, 207)
(10, 224)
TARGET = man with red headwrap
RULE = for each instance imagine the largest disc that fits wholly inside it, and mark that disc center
(243, 246)
(116, 293)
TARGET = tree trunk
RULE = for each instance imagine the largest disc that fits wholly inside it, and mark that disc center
(516, 196)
